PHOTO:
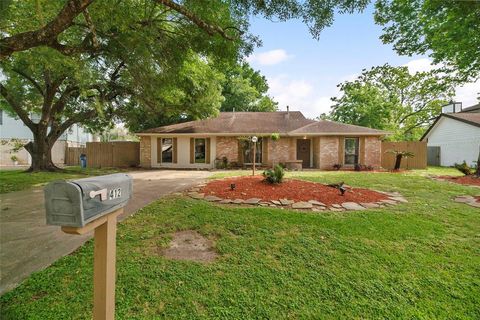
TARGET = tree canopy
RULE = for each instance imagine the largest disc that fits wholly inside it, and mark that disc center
(449, 31)
(245, 89)
(390, 98)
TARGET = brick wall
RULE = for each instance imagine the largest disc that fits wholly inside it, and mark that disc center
(145, 152)
(328, 152)
(373, 152)
(280, 151)
(227, 147)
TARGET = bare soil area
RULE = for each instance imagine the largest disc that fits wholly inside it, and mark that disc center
(190, 245)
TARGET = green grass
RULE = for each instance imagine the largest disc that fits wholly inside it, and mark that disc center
(419, 260)
(16, 180)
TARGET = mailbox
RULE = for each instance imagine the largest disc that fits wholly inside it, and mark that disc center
(77, 202)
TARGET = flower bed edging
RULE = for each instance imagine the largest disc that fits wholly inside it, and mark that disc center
(311, 205)
(469, 200)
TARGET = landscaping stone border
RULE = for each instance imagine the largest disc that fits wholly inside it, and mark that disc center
(436, 178)
(311, 205)
(469, 200)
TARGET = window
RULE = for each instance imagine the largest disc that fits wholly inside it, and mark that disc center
(200, 151)
(351, 151)
(1, 116)
(248, 154)
(167, 150)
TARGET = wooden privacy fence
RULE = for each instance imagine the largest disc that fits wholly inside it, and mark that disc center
(113, 154)
(106, 154)
(418, 148)
(72, 155)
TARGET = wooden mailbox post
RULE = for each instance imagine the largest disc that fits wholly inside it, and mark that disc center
(104, 256)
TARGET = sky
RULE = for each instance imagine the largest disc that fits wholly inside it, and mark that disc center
(303, 73)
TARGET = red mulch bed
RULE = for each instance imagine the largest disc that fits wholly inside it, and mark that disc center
(469, 180)
(297, 190)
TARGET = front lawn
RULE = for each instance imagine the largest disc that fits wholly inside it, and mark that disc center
(417, 260)
(15, 180)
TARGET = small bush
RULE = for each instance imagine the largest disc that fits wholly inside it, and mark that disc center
(464, 168)
(275, 175)
(221, 163)
(362, 167)
(337, 166)
(275, 137)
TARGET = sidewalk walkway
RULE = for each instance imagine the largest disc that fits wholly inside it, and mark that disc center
(27, 244)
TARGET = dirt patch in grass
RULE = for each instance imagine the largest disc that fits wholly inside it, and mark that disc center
(292, 189)
(190, 245)
(468, 180)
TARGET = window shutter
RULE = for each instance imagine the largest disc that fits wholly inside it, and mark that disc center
(361, 152)
(265, 141)
(159, 150)
(207, 150)
(174, 150)
(192, 150)
(341, 150)
(240, 153)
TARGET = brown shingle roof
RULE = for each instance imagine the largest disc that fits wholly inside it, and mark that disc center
(240, 122)
(475, 108)
(468, 117)
(291, 123)
(329, 127)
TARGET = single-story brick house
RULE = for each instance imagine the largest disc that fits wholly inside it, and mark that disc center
(302, 142)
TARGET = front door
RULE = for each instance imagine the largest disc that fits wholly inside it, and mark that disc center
(303, 152)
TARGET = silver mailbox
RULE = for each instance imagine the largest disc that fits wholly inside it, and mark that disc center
(77, 202)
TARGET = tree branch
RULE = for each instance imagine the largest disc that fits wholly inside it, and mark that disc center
(207, 27)
(32, 81)
(59, 105)
(17, 108)
(45, 35)
(57, 130)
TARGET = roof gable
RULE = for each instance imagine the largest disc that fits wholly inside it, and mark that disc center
(467, 117)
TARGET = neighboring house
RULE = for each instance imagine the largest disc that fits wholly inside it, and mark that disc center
(454, 137)
(303, 142)
(13, 131)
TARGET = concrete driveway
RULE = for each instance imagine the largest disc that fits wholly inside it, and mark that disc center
(27, 244)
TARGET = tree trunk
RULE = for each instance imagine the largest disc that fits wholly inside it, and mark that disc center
(398, 161)
(40, 150)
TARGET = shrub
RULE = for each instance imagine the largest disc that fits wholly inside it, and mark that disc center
(464, 168)
(337, 166)
(221, 163)
(275, 175)
(275, 136)
(362, 167)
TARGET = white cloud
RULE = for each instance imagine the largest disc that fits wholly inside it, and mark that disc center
(300, 95)
(468, 94)
(419, 65)
(269, 58)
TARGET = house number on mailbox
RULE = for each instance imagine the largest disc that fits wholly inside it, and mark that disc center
(115, 193)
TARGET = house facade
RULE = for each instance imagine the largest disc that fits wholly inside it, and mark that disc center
(454, 137)
(283, 138)
(13, 132)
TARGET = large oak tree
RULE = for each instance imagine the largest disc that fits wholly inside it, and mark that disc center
(87, 61)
